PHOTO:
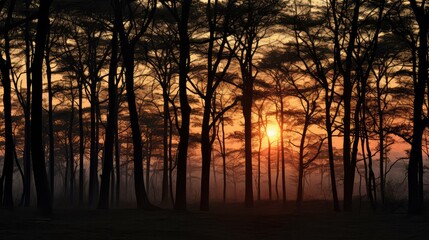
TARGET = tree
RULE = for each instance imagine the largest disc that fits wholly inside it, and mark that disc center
(307, 95)
(111, 122)
(162, 60)
(415, 167)
(44, 199)
(261, 125)
(52, 45)
(84, 54)
(314, 49)
(218, 18)
(128, 43)
(353, 57)
(274, 66)
(6, 180)
(222, 136)
(253, 20)
(391, 77)
(180, 10)
(27, 106)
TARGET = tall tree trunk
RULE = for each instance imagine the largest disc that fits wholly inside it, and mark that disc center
(415, 167)
(93, 158)
(381, 137)
(210, 115)
(270, 192)
(117, 162)
(71, 154)
(6, 182)
(128, 49)
(258, 196)
(206, 149)
(347, 97)
(141, 196)
(27, 110)
(247, 101)
(414, 205)
(223, 153)
(371, 176)
(110, 130)
(170, 161)
(328, 125)
(81, 142)
(44, 199)
(282, 152)
(67, 168)
(166, 117)
(112, 186)
(148, 158)
(184, 61)
(277, 169)
(50, 120)
(300, 194)
(353, 158)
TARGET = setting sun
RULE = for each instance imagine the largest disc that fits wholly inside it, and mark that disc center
(272, 131)
(266, 119)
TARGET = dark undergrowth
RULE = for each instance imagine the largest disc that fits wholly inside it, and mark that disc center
(267, 220)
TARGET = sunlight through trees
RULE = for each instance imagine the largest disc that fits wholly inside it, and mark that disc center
(168, 103)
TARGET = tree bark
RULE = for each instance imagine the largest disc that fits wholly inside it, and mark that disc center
(166, 117)
(247, 114)
(81, 143)
(71, 151)
(6, 182)
(110, 130)
(93, 155)
(128, 50)
(50, 120)
(349, 169)
(184, 61)
(44, 199)
(300, 194)
(415, 167)
(27, 110)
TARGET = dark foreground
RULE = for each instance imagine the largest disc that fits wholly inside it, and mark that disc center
(265, 221)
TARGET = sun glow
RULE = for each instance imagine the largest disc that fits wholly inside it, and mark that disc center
(272, 132)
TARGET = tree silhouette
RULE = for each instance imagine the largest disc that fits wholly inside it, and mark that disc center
(111, 122)
(253, 19)
(354, 68)
(218, 18)
(180, 10)
(128, 43)
(162, 60)
(314, 49)
(44, 199)
(6, 180)
(415, 168)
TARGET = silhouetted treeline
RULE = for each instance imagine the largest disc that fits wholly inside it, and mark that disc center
(157, 95)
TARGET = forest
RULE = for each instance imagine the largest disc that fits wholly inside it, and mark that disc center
(214, 104)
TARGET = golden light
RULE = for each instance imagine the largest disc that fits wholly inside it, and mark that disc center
(272, 132)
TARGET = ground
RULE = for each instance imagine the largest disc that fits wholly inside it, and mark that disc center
(232, 221)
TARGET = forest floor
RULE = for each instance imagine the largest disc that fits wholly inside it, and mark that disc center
(266, 220)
